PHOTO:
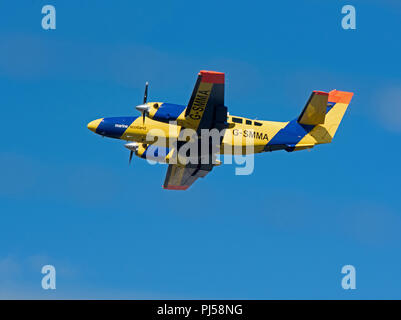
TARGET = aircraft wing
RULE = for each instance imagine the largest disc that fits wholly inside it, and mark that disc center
(180, 178)
(206, 108)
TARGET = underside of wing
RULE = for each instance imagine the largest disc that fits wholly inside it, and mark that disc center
(205, 110)
(181, 178)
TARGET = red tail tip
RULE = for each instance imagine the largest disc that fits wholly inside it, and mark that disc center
(212, 76)
(340, 96)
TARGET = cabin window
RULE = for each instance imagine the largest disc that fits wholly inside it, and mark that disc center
(248, 122)
(237, 120)
(257, 124)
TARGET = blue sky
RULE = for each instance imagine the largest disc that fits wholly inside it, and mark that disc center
(68, 197)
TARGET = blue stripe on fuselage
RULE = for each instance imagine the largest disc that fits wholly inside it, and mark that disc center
(114, 127)
(291, 134)
(168, 112)
(294, 132)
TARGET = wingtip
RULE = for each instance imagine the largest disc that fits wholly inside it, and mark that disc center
(212, 76)
(172, 187)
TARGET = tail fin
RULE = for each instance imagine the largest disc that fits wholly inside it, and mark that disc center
(314, 112)
(337, 104)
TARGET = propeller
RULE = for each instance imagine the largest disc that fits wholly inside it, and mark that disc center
(133, 147)
(145, 95)
(130, 156)
(144, 108)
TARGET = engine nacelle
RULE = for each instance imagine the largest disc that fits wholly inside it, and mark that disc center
(149, 152)
(164, 112)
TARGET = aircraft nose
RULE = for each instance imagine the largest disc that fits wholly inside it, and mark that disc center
(92, 126)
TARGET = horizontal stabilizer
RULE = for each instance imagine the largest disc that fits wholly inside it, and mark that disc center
(314, 112)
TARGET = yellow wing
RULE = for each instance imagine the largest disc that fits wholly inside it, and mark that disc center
(206, 108)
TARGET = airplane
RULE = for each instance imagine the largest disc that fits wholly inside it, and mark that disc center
(206, 110)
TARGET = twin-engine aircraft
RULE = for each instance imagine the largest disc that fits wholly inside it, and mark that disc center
(206, 111)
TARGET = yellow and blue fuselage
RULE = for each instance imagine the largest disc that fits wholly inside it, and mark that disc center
(163, 120)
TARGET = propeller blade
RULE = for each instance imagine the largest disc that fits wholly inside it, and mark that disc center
(143, 117)
(145, 96)
(130, 156)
